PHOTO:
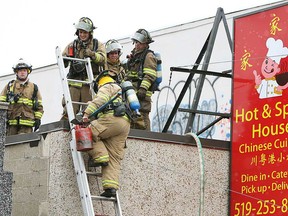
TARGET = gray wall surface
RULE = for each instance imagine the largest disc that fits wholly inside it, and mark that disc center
(157, 178)
(5, 176)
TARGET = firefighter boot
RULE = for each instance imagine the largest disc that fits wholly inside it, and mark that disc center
(92, 163)
(109, 192)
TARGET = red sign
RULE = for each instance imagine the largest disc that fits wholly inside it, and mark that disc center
(259, 156)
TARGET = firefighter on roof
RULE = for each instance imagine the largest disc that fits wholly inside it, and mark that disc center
(114, 51)
(82, 47)
(25, 102)
(141, 71)
(110, 131)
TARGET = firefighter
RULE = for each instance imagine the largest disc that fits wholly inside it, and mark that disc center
(114, 51)
(141, 71)
(25, 108)
(82, 47)
(110, 131)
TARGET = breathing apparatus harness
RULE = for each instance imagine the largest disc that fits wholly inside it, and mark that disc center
(114, 104)
(121, 107)
(136, 60)
(78, 68)
(12, 97)
(129, 103)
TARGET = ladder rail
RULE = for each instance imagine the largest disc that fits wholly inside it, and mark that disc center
(78, 161)
(90, 76)
(117, 205)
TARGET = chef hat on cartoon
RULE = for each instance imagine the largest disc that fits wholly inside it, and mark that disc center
(276, 51)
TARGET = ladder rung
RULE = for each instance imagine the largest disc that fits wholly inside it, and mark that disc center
(94, 174)
(80, 103)
(79, 81)
(112, 199)
(74, 59)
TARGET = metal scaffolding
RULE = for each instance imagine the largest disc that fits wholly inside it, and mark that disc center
(205, 51)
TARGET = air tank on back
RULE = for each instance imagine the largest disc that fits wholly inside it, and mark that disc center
(131, 96)
(158, 69)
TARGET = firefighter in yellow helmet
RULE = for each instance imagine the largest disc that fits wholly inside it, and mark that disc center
(114, 51)
(110, 131)
(25, 102)
(141, 71)
(82, 47)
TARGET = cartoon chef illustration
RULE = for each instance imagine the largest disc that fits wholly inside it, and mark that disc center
(268, 87)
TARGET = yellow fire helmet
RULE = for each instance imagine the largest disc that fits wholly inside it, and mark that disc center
(103, 78)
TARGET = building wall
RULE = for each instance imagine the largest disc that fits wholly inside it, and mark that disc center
(30, 168)
(158, 178)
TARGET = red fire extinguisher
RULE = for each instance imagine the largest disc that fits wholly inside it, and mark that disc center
(83, 138)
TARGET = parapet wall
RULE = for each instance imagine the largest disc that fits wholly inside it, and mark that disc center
(158, 178)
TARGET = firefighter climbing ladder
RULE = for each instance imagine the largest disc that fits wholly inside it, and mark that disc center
(79, 166)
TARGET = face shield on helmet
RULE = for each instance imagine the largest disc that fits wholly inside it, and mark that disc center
(113, 45)
(142, 36)
(21, 64)
(84, 24)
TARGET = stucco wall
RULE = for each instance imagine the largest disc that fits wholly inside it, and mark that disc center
(157, 179)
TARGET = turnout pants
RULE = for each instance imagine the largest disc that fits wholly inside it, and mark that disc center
(109, 137)
(18, 129)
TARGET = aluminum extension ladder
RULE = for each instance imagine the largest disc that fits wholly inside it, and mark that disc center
(78, 161)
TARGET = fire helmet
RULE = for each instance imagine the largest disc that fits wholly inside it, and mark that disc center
(143, 36)
(85, 24)
(21, 64)
(113, 45)
(103, 78)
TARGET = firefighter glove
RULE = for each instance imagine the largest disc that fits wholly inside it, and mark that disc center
(37, 124)
(141, 94)
(66, 63)
(89, 53)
